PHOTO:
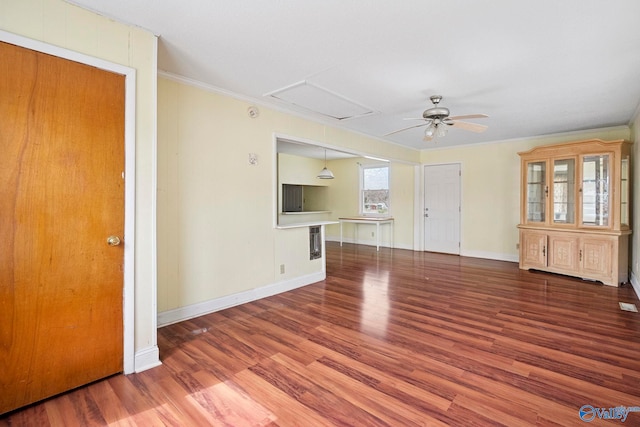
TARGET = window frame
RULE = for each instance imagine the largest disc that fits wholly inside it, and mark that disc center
(362, 168)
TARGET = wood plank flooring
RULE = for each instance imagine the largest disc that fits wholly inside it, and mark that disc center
(390, 338)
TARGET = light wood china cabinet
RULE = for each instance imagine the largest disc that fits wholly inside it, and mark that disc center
(574, 209)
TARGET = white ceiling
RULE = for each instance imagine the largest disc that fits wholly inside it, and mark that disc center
(536, 67)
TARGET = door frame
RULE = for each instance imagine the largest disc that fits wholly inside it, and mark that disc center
(420, 210)
(129, 173)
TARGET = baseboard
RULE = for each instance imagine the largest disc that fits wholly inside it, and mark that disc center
(189, 312)
(634, 283)
(472, 254)
(366, 242)
(147, 358)
(491, 255)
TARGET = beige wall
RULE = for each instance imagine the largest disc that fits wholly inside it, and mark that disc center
(216, 212)
(491, 189)
(61, 24)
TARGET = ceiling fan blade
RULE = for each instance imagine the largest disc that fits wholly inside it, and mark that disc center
(473, 127)
(407, 128)
(415, 118)
(469, 116)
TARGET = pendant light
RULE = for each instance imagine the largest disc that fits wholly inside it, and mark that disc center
(325, 173)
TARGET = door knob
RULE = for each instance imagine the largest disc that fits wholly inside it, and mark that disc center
(113, 240)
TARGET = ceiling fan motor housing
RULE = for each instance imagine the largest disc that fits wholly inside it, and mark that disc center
(436, 113)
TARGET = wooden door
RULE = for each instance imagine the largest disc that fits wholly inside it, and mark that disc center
(61, 196)
(442, 208)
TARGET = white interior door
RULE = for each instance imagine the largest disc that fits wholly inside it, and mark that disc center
(442, 208)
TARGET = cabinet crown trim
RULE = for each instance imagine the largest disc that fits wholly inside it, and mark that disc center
(591, 145)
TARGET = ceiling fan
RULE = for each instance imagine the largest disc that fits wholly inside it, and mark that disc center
(437, 119)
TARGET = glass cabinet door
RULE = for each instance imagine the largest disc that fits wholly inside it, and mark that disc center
(595, 190)
(536, 191)
(624, 191)
(564, 197)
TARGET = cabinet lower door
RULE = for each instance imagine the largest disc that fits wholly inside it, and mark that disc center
(533, 249)
(564, 253)
(596, 257)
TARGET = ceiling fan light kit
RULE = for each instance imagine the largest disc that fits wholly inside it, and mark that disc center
(437, 119)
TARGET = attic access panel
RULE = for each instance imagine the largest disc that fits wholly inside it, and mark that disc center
(320, 100)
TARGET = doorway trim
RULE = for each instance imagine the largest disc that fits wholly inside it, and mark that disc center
(129, 173)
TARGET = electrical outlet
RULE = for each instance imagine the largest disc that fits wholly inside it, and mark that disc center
(281, 268)
(373, 234)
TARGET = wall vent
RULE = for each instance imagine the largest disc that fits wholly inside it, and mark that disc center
(315, 242)
(628, 307)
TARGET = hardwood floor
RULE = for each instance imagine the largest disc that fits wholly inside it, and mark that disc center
(395, 338)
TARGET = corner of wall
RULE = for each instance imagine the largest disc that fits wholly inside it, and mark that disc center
(635, 284)
(635, 155)
(147, 358)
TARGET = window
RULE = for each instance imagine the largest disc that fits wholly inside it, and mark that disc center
(374, 190)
